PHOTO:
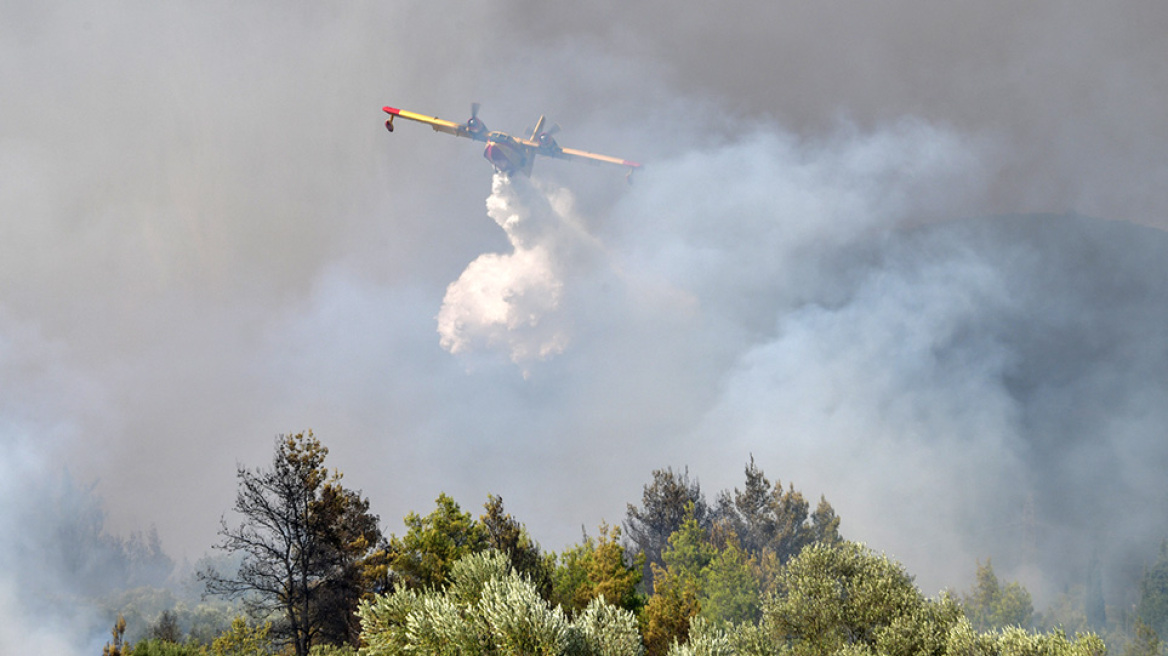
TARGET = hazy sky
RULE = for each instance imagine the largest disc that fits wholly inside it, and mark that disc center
(207, 239)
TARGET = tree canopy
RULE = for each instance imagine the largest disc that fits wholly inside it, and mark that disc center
(758, 574)
(489, 608)
(665, 503)
(303, 539)
(1153, 604)
(764, 518)
(422, 558)
(991, 605)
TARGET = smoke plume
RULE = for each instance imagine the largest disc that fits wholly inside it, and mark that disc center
(910, 258)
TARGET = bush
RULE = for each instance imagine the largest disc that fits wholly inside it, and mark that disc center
(489, 608)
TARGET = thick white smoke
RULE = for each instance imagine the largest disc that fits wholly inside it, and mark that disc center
(797, 300)
(22, 630)
(892, 399)
(40, 607)
(744, 216)
(207, 239)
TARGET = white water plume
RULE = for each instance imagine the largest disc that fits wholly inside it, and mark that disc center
(512, 300)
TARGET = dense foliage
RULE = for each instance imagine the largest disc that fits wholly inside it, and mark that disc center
(489, 608)
(756, 573)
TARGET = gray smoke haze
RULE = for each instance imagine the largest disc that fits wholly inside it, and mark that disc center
(206, 239)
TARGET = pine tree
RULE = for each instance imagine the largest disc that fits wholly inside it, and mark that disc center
(422, 558)
(664, 504)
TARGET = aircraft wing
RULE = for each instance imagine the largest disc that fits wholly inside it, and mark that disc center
(585, 156)
(441, 125)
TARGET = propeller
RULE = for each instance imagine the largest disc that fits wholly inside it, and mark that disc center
(545, 137)
(473, 123)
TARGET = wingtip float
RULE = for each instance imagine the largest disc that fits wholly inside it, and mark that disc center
(507, 153)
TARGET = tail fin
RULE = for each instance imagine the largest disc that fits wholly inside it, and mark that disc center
(537, 129)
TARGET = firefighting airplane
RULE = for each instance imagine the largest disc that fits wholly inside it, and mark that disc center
(506, 153)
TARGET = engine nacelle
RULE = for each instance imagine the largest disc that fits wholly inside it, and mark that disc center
(476, 126)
